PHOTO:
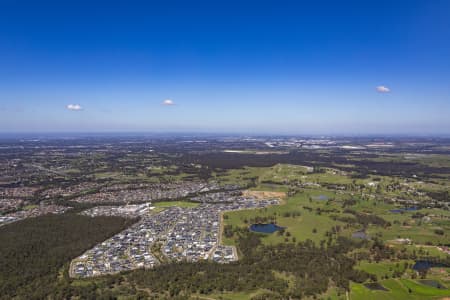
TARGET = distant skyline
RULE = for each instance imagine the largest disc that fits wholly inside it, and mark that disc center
(253, 67)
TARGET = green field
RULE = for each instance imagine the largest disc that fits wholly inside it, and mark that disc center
(309, 225)
(174, 203)
(399, 289)
(29, 207)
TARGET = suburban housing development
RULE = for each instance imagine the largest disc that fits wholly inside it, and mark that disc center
(176, 234)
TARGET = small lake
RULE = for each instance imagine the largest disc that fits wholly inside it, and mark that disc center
(320, 197)
(265, 228)
(400, 210)
(360, 235)
(425, 264)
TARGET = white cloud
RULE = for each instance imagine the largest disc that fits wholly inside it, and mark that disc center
(168, 102)
(74, 107)
(383, 89)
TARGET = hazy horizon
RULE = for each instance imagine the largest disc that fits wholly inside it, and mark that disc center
(187, 134)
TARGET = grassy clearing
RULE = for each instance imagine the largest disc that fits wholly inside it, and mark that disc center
(399, 289)
(384, 268)
(240, 176)
(29, 207)
(309, 225)
(164, 204)
(232, 296)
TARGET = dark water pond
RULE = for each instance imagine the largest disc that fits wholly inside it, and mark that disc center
(320, 197)
(432, 283)
(360, 235)
(425, 264)
(400, 210)
(265, 228)
(375, 286)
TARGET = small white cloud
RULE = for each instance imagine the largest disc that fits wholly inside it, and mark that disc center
(168, 102)
(383, 89)
(74, 107)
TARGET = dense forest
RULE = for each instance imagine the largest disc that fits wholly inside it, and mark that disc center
(34, 251)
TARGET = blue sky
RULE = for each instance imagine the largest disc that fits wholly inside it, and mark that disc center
(290, 67)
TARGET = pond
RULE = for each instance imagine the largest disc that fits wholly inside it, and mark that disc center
(401, 210)
(320, 197)
(425, 264)
(360, 235)
(265, 228)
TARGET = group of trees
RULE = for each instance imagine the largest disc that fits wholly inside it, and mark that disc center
(34, 251)
(365, 219)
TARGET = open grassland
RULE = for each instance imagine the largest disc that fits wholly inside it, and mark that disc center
(385, 268)
(372, 199)
(398, 289)
(240, 176)
(165, 204)
(313, 225)
(308, 225)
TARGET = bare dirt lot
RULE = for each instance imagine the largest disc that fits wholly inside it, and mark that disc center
(264, 194)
